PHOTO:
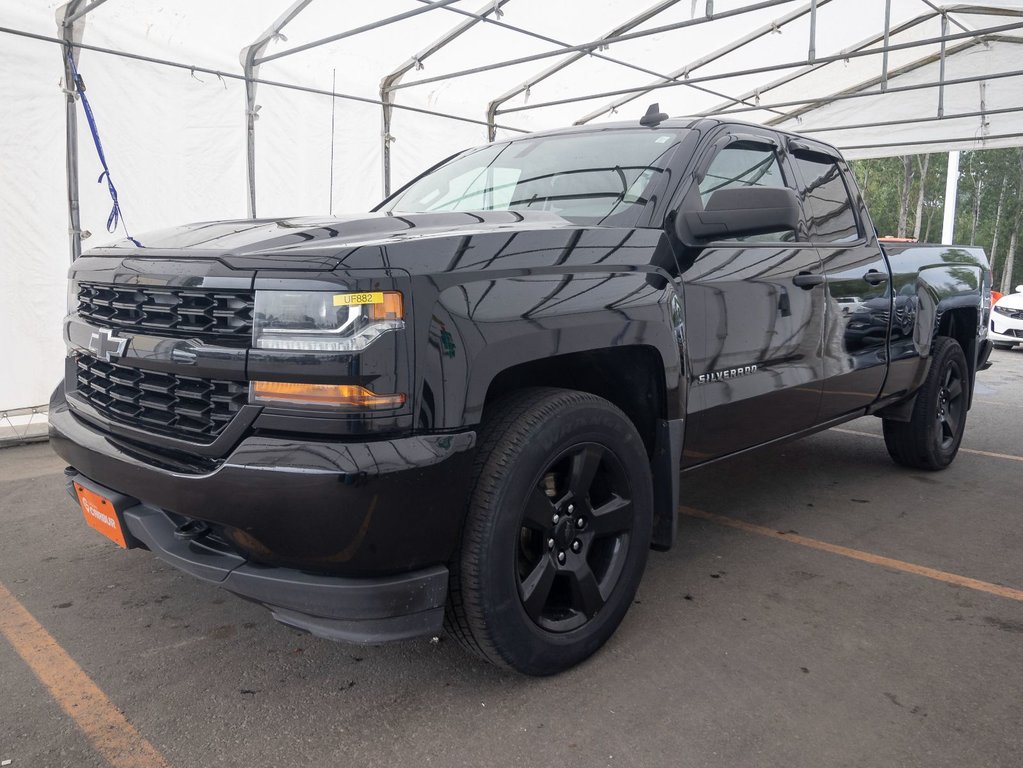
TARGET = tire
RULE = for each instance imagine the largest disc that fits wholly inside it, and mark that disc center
(557, 532)
(931, 438)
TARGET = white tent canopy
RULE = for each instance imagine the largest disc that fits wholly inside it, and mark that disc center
(175, 88)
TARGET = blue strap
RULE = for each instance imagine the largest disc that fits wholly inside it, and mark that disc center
(115, 211)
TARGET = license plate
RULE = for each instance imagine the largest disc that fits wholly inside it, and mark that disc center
(100, 515)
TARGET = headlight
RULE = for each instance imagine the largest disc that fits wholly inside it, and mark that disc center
(1004, 311)
(321, 321)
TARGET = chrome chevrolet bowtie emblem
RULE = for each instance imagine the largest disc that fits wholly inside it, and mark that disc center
(104, 345)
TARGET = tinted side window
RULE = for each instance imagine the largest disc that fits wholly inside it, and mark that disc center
(739, 165)
(828, 203)
(745, 165)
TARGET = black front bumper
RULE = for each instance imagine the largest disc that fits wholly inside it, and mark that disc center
(345, 540)
(363, 610)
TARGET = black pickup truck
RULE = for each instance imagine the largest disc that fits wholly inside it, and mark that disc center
(472, 407)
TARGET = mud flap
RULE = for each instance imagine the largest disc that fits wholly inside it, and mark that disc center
(665, 465)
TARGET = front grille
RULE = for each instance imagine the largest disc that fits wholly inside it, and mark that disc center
(224, 316)
(178, 406)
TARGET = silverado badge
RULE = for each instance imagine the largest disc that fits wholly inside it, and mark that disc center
(728, 373)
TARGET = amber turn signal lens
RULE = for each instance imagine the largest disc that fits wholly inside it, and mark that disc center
(345, 395)
(391, 308)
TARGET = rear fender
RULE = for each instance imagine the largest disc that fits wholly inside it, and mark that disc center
(932, 284)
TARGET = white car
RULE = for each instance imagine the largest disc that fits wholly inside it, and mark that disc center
(1007, 320)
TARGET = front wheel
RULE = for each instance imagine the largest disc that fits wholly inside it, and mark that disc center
(557, 532)
(931, 438)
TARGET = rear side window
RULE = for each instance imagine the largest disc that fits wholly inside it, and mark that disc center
(829, 205)
(745, 165)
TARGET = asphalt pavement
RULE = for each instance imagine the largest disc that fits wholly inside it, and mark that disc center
(859, 615)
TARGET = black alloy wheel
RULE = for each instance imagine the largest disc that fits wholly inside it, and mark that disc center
(574, 537)
(951, 406)
(557, 532)
(931, 438)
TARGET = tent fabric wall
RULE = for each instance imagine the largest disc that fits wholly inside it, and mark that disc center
(176, 141)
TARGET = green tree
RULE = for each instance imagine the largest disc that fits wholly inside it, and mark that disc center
(907, 195)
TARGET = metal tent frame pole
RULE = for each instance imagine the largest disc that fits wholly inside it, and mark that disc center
(194, 68)
(594, 54)
(814, 64)
(595, 44)
(71, 24)
(355, 31)
(686, 70)
(897, 89)
(571, 59)
(416, 62)
(913, 120)
(250, 66)
(766, 69)
(858, 90)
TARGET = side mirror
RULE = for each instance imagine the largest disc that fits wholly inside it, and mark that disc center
(1019, 289)
(738, 212)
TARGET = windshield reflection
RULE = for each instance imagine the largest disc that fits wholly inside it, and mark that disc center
(565, 175)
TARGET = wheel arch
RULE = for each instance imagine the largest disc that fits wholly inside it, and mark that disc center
(639, 389)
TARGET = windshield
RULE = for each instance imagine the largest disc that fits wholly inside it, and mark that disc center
(587, 178)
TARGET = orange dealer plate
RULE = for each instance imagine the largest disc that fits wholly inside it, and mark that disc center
(100, 515)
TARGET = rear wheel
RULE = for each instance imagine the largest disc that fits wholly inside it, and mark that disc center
(557, 533)
(931, 438)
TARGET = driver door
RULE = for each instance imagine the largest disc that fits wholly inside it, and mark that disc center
(754, 311)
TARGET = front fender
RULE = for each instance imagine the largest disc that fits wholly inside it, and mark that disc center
(489, 323)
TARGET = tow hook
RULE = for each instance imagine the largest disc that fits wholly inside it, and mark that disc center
(191, 530)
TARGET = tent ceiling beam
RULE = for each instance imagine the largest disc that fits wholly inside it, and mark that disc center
(815, 66)
(865, 84)
(944, 140)
(588, 47)
(572, 58)
(71, 18)
(766, 69)
(261, 81)
(434, 4)
(686, 70)
(898, 89)
(544, 38)
(914, 120)
(939, 10)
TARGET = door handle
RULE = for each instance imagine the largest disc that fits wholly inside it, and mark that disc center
(807, 280)
(876, 278)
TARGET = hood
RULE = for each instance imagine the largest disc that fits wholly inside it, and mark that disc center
(1011, 301)
(311, 235)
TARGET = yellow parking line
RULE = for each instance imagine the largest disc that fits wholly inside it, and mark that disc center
(855, 554)
(974, 451)
(109, 732)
